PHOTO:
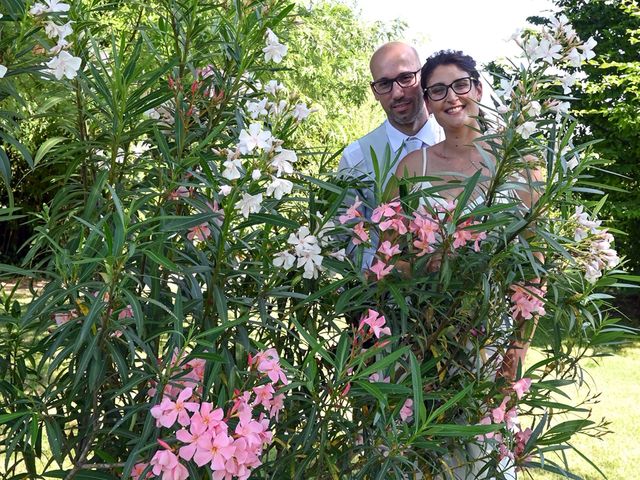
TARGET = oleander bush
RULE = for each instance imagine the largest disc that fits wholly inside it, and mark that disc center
(205, 313)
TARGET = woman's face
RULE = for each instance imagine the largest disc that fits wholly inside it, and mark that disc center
(455, 109)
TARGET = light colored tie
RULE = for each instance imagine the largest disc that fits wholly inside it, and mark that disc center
(412, 143)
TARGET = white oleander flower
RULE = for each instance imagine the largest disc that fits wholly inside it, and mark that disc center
(283, 162)
(271, 37)
(50, 6)
(139, 148)
(64, 65)
(249, 204)
(232, 169)
(530, 47)
(587, 49)
(53, 30)
(340, 255)
(257, 109)
(302, 240)
(279, 187)
(284, 260)
(256, 174)
(533, 109)
(273, 87)
(506, 88)
(274, 52)
(526, 129)
(224, 190)
(278, 108)
(574, 58)
(572, 163)
(300, 112)
(254, 138)
(311, 260)
(548, 52)
(3, 70)
(568, 81)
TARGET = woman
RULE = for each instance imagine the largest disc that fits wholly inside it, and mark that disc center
(452, 90)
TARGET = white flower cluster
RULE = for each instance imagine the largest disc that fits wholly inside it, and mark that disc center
(598, 253)
(63, 64)
(556, 47)
(306, 250)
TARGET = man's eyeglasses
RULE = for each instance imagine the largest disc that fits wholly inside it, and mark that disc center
(385, 85)
(460, 86)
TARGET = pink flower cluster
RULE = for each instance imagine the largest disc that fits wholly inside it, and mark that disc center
(375, 322)
(508, 416)
(527, 301)
(430, 227)
(230, 444)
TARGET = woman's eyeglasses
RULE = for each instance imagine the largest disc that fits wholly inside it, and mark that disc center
(385, 85)
(460, 86)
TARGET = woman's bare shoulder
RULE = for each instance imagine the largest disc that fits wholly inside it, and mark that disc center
(411, 165)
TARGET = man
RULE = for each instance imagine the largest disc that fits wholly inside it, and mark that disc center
(395, 68)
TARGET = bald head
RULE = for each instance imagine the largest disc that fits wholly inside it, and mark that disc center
(394, 52)
(404, 105)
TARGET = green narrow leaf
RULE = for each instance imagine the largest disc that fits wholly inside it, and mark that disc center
(419, 410)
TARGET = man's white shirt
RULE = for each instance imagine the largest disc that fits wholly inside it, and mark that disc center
(430, 134)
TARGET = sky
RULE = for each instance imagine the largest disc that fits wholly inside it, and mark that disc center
(479, 28)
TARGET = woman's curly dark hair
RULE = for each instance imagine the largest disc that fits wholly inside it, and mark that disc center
(448, 57)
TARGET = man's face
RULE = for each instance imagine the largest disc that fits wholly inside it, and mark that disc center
(404, 107)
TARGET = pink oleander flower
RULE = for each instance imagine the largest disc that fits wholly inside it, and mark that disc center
(388, 250)
(215, 208)
(180, 192)
(166, 463)
(277, 404)
(504, 452)
(398, 224)
(269, 362)
(377, 378)
(521, 438)
(352, 212)
(200, 232)
(264, 395)
(191, 437)
(215, 450)
(250, 430)
(527, 301)
(463, 234)
(376, 322)
(406, 412)
(381, 269)
(241, 404)
(485, 421)
(498, 413)
(424, 225)
(361, 234)
(521, 387)
(126, 312)
(138, 469)
(63, 317)
(386, 210)
(168, 411)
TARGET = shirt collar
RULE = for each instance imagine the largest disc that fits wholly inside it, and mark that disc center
(396, 137)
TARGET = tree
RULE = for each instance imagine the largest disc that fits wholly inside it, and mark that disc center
(609, 106)
(328, 68)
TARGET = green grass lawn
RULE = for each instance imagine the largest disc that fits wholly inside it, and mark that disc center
(618, 454)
